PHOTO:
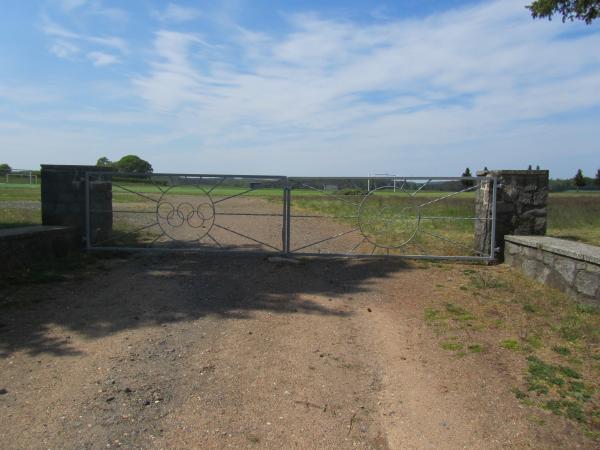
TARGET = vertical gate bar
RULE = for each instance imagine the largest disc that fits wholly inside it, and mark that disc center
(284, 220)
(88, 244)
(493, 237)
(288, 219)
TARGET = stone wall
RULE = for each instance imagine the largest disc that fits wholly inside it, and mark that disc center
(23, 246)
(570, 266)
(64, 199)
(521, 206)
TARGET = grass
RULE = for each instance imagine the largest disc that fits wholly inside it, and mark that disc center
(451, 346)
(551, 342)
(510, 344)
(19, 217)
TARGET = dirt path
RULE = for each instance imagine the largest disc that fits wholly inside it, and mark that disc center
(237, 352)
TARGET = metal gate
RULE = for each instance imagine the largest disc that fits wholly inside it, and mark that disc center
(410, 217)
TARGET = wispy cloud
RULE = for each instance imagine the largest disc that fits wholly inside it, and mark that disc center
(69, 5)
(93, 8)
(102, 59)
(64, 49)
(67, 44)
(53, 29)
(177, 13)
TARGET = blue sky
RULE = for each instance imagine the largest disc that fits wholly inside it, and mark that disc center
(415, 87)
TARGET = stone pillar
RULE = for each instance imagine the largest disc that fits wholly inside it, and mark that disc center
(521, 206)
(64, 199)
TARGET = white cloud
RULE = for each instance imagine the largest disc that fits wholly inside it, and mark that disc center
(102, 59)
(92, 8)
(55, 30)
(69, 5)
(64, 49)
(177, 13)
(67, 44)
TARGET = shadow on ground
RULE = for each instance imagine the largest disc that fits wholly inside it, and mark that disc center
(149, 290)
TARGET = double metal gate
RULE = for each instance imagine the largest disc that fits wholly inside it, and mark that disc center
(411, 217)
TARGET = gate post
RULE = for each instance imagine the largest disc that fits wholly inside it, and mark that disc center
(521, 206)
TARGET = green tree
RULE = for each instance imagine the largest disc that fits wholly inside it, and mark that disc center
(587, 10)
(5, 168)
(105, 162)
(133, 164)
(467, 183)
(529, 167)
(579, 179)
(597, 180)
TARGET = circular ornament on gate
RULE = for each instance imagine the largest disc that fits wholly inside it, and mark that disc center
(388, 219)
(183, 217)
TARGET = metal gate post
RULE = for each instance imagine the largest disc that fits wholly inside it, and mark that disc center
(88, 243)
(286, 218)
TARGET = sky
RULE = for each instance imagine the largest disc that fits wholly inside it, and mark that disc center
(340, 88)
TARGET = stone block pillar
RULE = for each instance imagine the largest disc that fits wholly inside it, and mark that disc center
(521, 206)
(64, 199)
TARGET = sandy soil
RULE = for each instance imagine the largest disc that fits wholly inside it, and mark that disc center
(180, 351)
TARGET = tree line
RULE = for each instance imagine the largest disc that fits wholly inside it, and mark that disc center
(127, 164)
(578, 181)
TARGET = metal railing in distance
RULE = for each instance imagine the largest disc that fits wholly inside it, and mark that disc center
(173, 212)
(409, 217)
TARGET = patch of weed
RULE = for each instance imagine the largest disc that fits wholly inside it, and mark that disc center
(475, 348)
(574, 411)
(510, 344)
(570, 329)
(451, 346)
(535, 341)
(553, 405)
(432, 315)
(537, 420)
(459, 313)
(540, 371)
(561, 350)
(519, 393)
(528, 307)
(485, 281)
(578, 391)
(568, 372)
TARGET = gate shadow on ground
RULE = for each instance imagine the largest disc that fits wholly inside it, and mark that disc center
(149, 290)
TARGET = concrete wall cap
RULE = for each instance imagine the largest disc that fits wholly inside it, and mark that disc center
(25, 232)
(571, 249)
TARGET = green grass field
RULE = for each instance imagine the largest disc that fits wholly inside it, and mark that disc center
(571, 215)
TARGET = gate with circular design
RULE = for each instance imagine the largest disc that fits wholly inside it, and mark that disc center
(427, 217)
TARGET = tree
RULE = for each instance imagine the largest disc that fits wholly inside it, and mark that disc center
(597, 180)
(133, 164)
(537, 167)
(587, 10)
(467, 183)
(529, 168)
(5, 169)
(579, 179)
(105, 162)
